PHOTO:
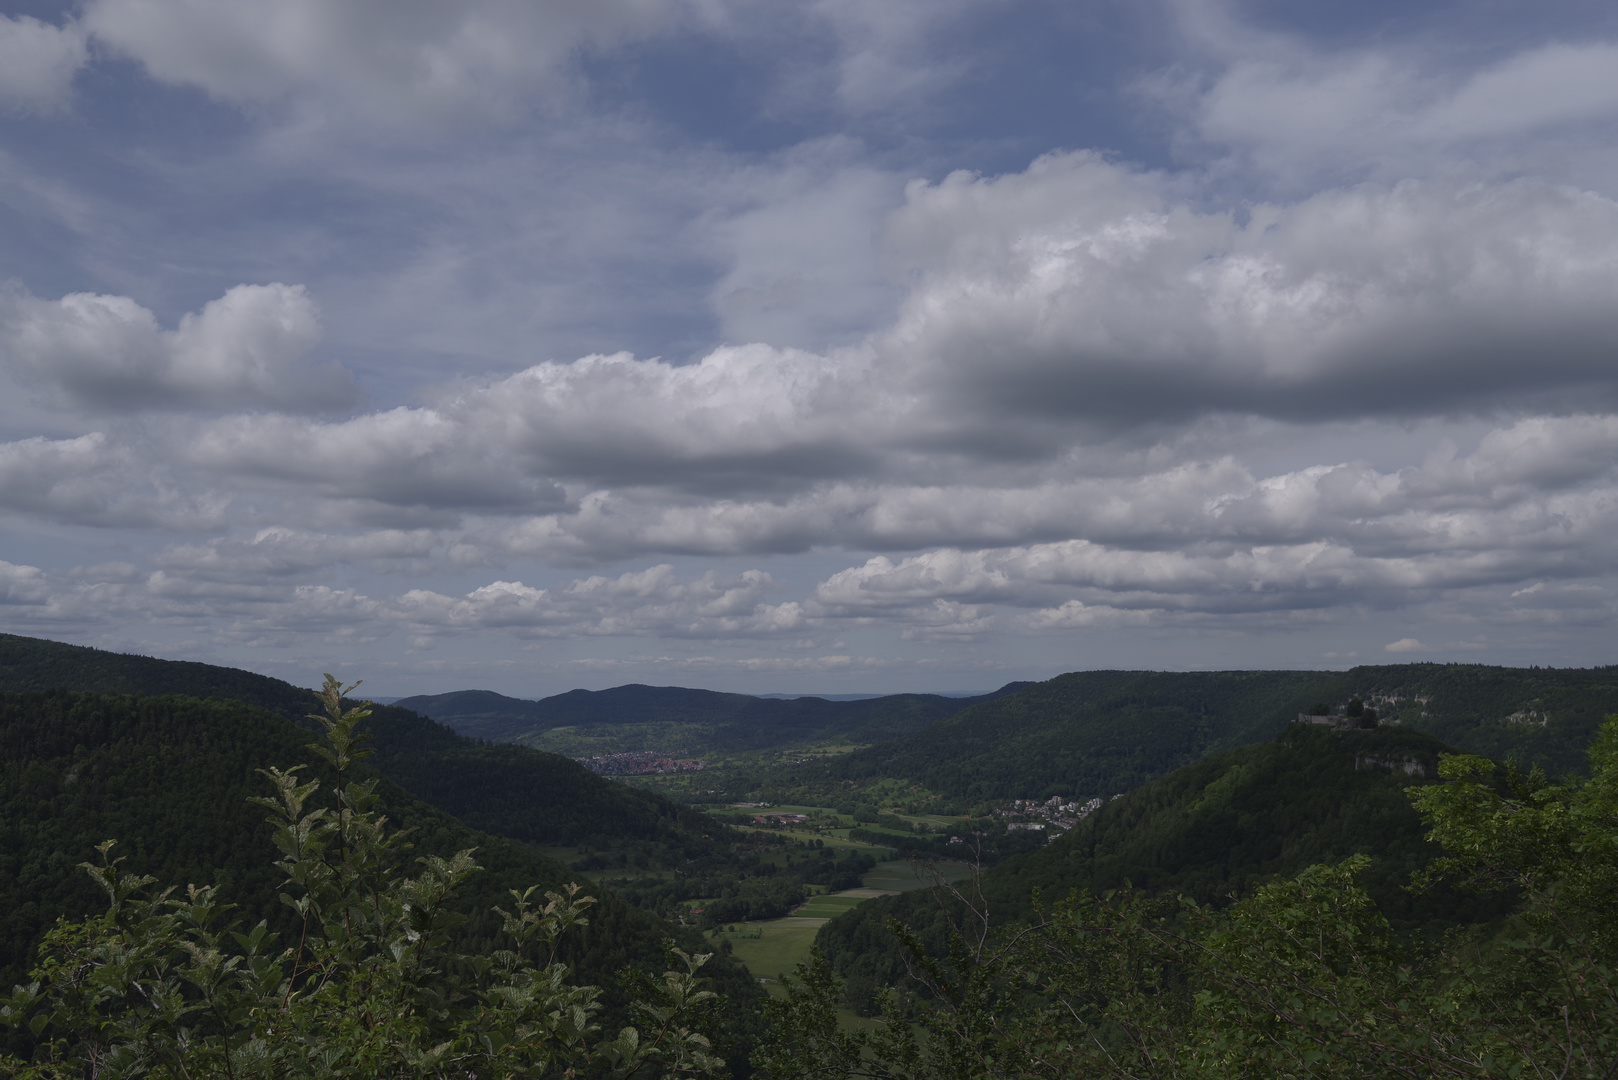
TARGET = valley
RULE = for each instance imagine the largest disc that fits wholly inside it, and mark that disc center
(805, 829)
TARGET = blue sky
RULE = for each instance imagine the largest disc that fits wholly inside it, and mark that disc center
(833, 346)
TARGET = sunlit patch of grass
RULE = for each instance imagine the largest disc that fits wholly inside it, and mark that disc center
(781, 945)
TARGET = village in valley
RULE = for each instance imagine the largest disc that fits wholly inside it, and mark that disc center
(640, 763)
(1053, 813)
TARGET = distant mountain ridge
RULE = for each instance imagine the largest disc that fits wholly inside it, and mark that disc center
(1098, 733)
(636, 714)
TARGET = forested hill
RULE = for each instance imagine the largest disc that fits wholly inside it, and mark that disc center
(1212, 829)
(35, 664)
(169, 778)
(531, 795)
(507, 790)
(1239, 817)
(1544, 716)
(722, 722)
(1097, 733)
(1090, 733)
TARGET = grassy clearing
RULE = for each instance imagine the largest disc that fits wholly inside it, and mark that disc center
(780, 948)
(883, 830)
(781, 945)
(772, 948)
(930, 819)
(899, 876)
(829, 907)
(847, 1019)
(775, 947)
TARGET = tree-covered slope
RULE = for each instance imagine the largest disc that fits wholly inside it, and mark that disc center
(668, 717)
(510, 791)
(527, 794)
(169, 777)
(1544, 716)
(481, 714)
(36, 664)
(1090, 733)
(1213, 829)
(1243, 816)
(1098, 733)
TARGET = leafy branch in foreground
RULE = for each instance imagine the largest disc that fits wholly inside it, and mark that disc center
(1301, 979)
(157, 987)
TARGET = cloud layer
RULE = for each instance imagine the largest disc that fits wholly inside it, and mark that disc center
(721, 333)
(37, 64)
(373, 61)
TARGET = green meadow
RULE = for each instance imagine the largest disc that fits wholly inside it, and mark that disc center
(828, 906)
(898, 875)
(775, 947)
(772, 949)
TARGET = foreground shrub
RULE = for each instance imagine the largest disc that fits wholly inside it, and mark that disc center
(160, 986)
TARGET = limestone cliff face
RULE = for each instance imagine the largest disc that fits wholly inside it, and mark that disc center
(1336, 723)
(1409, 766)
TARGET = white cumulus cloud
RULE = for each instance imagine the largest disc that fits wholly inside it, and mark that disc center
(107, 353)
(1082, 291)
(38, 62)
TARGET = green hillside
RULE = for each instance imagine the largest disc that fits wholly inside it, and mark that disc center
(1089, 733)
(1243, 816)
(1217, 828)
(511, 791)
(1099, 733)
(1544, 716)
(526, 794)
(169, 778)
(659, 852)
(36, 664)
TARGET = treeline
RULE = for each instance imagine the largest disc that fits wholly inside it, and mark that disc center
(774, 896)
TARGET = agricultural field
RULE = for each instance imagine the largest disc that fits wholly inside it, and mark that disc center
(774, 947)
(899, 875)
(831, 905)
